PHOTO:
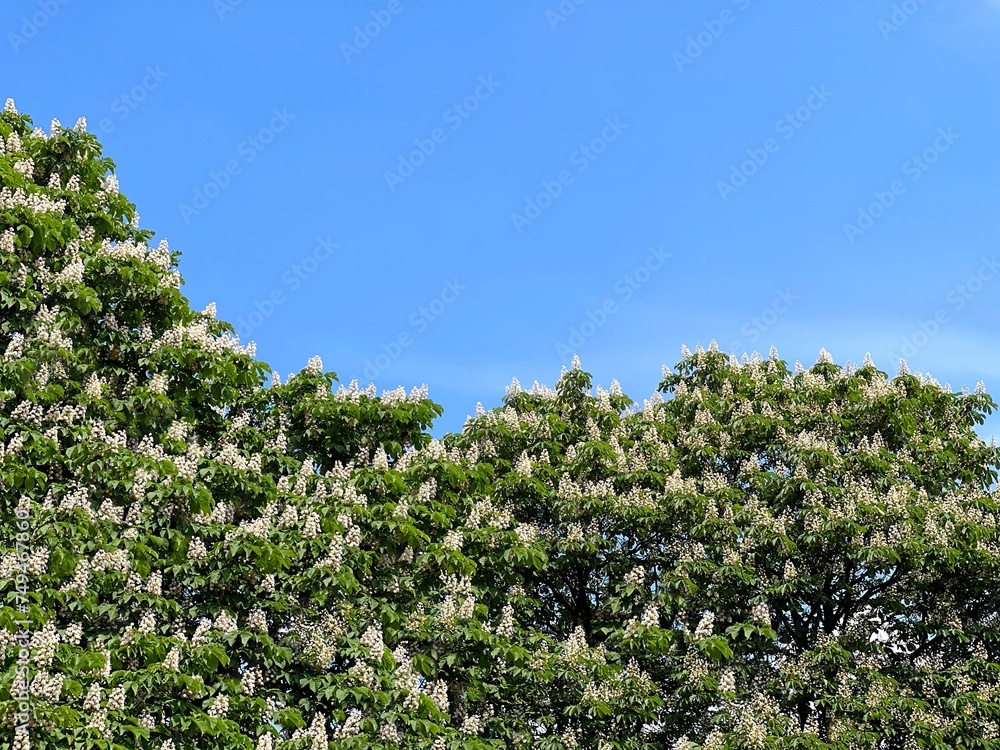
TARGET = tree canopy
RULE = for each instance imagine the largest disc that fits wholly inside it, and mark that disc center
(195, 554)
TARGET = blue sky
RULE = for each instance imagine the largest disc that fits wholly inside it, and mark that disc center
(458, 193)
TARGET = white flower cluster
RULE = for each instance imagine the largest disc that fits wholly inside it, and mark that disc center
(459, 602)
(372, 640)
(37, 202)
(158, 383)
(80, 580)
(47, 686)
(72, 273)
(406, 679)
(259, 527)
(73, 634)
(110, 185)
(35, 564)
(485, 514)
(339, 544)
(475, 725)
(47, 328)
(117, 560)
(523, 465)
(636, 577)
(527, 533)
(198, 334)
(311, 526)
(361, 673)
(439, 695)
(197, 550)
(650, 616)
(453, 540)
(761, 614)
(116, 440)
(257, 620)
(351, 726)
(575, 648)
(130, 250)
(219, 707)
(314, 366)
(229, 455)
(172, 661)
(116, 698)
(29, 413)
(92, 701)
(505, 629)
(705, 625)
(147, 624)
(249, 680)
(574, 533)
(319, 640)
(224, 623)
(790, 572)
(99, 723)
(315, 733)
(15, 348)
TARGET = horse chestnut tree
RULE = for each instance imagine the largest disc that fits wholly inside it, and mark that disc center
(195, 554)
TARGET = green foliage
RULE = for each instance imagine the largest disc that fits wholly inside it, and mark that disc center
(754, 558)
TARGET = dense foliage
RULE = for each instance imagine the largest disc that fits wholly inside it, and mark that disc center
(192, 557)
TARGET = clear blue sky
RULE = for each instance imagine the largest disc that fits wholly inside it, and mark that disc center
(734, 137)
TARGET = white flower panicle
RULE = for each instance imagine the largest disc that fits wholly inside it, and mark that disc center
(173, 660)
(219, 707)
(116, 698)
(523, 466)
(314, 366)
(705, 626)
(505, 629)
(92, 701)
(351, 726)
(224, 623)
(790, 571)
(372, 640)
(197, 550)
(651, 616)
(257, 620)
